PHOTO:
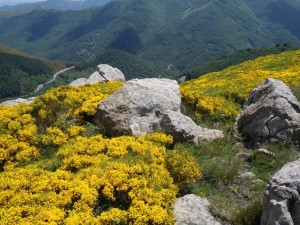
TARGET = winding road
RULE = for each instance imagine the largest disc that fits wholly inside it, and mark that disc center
(40, 86)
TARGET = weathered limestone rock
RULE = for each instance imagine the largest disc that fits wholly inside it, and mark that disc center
(104, 73)
(182, 127)
(265, 152)
(110, 73)
(78, 82)
(146, 105)
(182, 79)
(18, 101)
(95, 78)
(137, 107)
(281, 199)
(193, 210)
(270, 114)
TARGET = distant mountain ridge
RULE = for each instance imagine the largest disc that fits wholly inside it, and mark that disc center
(57, 4)
(171, 34)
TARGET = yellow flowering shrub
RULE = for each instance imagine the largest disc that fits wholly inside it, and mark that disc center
(66, 102)
(97, 185)
(75, 130)
(84, 179)
(165, 140)
(224, 92)
(18, 136)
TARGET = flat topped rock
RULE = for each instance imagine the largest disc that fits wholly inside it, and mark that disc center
(270, 114)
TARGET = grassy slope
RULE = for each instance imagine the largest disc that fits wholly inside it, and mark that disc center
(229, 88)
(237, 200)
(234, 59)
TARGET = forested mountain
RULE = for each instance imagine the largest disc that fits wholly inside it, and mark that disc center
(57, 4)
(171, 34)
(20, 73)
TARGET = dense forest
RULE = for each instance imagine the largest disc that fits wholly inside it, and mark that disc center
(21, 75)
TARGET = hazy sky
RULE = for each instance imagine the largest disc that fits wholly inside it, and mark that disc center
(13, 2)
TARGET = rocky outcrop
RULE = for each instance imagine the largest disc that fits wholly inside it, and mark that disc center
(78, 82)
(18, 101)
(270, 114)
(193, 210)
(145, 106)
(281, 199)
(182, 127)
(137, 107)
(104, 73)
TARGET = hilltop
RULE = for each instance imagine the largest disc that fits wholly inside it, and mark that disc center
(70, 170)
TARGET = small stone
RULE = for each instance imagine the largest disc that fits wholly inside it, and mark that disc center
(244, 155)
(239, 145)
(246, 175)
(193, 210)
(265, 152)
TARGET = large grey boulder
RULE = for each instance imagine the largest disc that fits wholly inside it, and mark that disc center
(145, 106)
(137, 107)
(281, 199)
(193, 210)
(104, 73)
(18, 101)
(270, 114)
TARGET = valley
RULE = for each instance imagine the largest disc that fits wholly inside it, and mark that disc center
(185, 33)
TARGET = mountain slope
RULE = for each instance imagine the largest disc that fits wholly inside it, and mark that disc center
(131, 65)
(223, 93)
(20, 72)
(56, 4)
(234, 59)
(172, 34)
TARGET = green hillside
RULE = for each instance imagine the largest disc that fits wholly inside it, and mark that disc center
(222, 93)
(20, 73)
(170, 34)
(55, 4)
(131, 65)
(234, 59)
(54, 65)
